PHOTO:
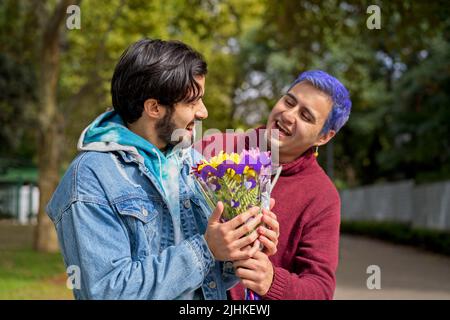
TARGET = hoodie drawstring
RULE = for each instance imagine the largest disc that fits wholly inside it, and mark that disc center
(160, 165)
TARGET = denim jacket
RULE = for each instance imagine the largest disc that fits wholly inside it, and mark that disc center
(113, 223)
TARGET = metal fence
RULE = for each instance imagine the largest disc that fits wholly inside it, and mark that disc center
(425, 206)
(20, 202)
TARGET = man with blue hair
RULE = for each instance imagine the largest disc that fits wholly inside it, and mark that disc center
(307, 203)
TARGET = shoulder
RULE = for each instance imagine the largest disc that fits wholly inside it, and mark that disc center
(91, 168)
(83, 180)
(325, 199)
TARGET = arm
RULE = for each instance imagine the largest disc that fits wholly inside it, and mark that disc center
(95, 239)
(315, 262)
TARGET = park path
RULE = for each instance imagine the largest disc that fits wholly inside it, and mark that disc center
(406, 272)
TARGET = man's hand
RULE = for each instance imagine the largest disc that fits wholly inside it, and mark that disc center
(268, 233)
(230, 240)
(256, 273)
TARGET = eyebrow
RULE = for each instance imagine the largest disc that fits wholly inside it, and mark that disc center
(290, 95)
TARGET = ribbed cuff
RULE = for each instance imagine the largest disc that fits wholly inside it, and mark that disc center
(204, 256)
(279, 284)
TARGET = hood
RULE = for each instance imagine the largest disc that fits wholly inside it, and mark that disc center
(108, 133)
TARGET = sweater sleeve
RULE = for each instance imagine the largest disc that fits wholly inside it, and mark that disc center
(313, 270)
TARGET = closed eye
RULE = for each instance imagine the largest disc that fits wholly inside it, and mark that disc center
(289, 102)
(306, 117)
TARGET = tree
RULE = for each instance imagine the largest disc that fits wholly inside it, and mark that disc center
(332, 35)
(49, 121)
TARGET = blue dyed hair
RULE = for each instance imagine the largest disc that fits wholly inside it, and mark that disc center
(328, 84)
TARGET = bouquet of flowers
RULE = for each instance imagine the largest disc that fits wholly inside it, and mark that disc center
(240, 181)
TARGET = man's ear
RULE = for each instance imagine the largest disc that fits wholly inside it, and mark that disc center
(153, 109)
(325, 138)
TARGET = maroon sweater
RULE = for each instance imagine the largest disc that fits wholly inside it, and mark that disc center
(308, 211)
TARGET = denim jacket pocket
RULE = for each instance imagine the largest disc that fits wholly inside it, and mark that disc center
(137, 208)
(140, 218)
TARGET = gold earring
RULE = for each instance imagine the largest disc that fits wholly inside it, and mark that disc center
(316, 153)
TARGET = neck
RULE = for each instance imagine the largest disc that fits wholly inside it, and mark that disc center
(286, 157)
(148, 132)
(283, 156)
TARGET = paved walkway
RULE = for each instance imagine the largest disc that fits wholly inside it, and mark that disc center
(406, 272)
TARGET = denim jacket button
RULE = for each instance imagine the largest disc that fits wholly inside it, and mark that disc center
(145, 212)
(212, 285)
(187, 203)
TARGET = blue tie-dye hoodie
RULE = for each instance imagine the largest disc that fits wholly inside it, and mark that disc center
(109, 133)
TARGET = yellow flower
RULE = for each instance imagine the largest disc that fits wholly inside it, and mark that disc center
(235, 157)
(231, 172)
(222, 157)
(251, 173)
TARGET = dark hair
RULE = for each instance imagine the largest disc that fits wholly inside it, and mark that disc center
(155, 69)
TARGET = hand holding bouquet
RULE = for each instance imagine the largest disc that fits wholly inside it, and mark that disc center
(239, 181)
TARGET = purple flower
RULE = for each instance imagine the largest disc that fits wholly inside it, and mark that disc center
(206, 170)
(255, 159)
(250, 184)
(214, 185)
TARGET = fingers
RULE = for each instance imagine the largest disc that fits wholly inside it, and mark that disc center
(252, 285)
(255, 248)
(271, 224)
(270, 214)
(246, 264)
(246, 274)
(243, 217)
(272, 203)
(271, 234)
(247, 240)
(270, 248)
(247, 227)
(246, 253)
(217, 213)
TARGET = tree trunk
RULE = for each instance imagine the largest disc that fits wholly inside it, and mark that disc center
(49, 162)
(49, 122)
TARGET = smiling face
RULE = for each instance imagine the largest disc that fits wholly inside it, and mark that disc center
(179, 122)
(299, 116)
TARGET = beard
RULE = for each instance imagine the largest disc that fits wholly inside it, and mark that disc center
(168, 131)
(165, 127)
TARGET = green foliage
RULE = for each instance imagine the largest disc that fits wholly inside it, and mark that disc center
(26, 274)
(397, 76)
(17, 83)
(378, 67)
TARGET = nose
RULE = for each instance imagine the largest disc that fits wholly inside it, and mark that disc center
(202, 112)
(288, 116)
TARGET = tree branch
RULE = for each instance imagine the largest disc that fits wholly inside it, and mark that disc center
(51, 30)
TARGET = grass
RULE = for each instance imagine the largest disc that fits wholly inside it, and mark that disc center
(26, 274)
(432, 240)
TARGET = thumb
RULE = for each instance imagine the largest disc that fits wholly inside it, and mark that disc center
(272, 203)
(217, 213)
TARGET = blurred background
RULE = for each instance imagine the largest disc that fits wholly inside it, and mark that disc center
(390, 162)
